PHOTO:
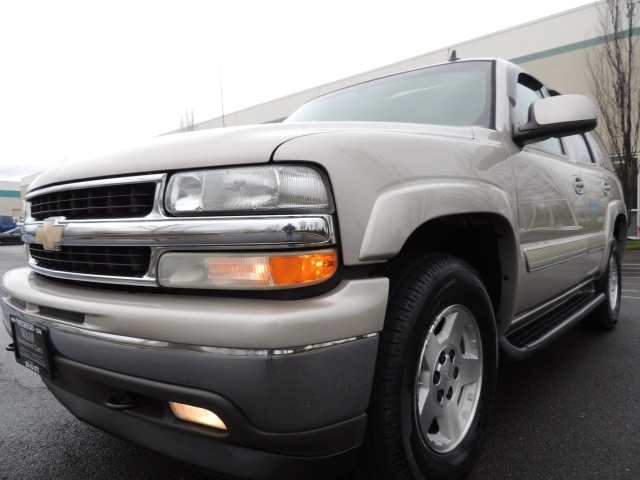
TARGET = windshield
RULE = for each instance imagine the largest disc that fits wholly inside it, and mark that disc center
(458, 94)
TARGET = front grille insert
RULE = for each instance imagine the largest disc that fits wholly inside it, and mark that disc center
(105, 261)
(111, 201)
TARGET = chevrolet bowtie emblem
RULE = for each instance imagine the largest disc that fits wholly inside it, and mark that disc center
(50, 234)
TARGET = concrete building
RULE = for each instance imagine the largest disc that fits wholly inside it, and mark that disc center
(11, 199)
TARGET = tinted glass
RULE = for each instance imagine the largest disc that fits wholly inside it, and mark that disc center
(599, 150)
(579, 149)
(453, 94)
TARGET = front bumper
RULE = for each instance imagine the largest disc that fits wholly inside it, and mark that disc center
(288, 408)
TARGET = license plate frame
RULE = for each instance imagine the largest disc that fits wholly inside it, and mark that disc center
(31, 346)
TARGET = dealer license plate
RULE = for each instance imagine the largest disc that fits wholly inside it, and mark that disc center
(31, 347)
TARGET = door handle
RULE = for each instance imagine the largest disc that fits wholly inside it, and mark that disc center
(607, 189)
(578, 184)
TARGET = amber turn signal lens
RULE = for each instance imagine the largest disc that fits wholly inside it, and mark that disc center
(297, 269)
(246, 271)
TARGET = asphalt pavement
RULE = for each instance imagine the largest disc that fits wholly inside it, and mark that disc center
(570, 412)
(573, 410)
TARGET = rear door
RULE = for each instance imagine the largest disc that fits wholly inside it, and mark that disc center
(597, 191)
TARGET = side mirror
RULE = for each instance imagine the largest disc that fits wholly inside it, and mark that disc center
(559, 116)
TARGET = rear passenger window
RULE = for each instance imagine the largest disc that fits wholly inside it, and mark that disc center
(579, 149)
(599, 151)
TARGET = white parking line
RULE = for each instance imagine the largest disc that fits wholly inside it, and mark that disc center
(631, 298)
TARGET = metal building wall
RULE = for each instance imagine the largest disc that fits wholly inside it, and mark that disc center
(10, 199)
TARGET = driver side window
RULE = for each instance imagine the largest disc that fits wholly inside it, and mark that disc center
(525, 96)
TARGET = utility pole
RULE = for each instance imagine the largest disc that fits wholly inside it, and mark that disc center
(220, 83)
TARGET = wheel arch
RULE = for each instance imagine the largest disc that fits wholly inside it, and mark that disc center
(484, 240)
(458, 216)
(615, 228)
(620, 232)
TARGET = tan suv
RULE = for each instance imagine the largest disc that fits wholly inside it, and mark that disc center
(288, 301)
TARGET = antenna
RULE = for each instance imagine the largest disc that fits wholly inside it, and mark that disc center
(220, 83)
(453, 57)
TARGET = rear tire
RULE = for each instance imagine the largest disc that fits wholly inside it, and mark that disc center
(435, 374)
(605, 316)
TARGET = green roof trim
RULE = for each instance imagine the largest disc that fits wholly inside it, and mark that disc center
(573, 47)
(10, 194)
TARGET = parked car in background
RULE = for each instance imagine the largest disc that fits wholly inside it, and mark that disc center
(293, 300)
(11, 236)
(6, 223)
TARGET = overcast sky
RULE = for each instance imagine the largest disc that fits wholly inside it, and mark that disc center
(85, 75)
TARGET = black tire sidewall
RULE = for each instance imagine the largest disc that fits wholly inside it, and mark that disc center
(603, 317)
(459, 287)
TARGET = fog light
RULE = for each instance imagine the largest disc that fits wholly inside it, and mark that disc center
(245, 271)
(197, 415)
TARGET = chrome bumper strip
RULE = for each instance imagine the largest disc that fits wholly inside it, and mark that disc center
(215, 233)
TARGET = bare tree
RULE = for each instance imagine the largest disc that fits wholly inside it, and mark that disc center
(187, 122)
(615, 83)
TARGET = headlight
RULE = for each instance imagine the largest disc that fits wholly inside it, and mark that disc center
(263, 188)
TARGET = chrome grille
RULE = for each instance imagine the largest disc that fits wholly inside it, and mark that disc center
(107, 261)
(98, 202)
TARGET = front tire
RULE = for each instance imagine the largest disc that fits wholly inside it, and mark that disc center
(435, 374)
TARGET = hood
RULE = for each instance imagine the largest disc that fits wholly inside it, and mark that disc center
(210, 148)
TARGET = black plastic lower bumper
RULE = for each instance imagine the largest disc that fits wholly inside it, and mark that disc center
(242, 451)
(203, 452)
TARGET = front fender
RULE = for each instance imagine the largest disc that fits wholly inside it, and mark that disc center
(399, 211)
